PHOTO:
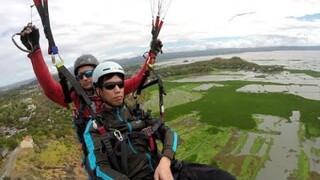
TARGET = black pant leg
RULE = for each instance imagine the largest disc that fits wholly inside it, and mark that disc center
(196, 171)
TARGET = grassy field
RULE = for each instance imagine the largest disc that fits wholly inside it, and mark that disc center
(213, 124)
(59, 160)
(224, 107)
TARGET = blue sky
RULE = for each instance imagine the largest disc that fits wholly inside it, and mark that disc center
(121, 28)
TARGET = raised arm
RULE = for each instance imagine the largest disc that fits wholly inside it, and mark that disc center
(51, 88)
(133, 83)
(30, 39)
(130, 85)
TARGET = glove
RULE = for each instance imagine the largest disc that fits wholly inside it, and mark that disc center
(30, 37)
(156, 46)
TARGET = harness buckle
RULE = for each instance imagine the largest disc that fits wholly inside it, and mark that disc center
(94, 124)
(118, 135)
(148, 131)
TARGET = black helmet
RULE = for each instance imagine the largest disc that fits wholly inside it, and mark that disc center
(85, 60)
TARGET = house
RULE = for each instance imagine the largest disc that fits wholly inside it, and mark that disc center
(27, 142)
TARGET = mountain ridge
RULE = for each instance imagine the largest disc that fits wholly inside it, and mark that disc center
(181, 54)
(219, 51)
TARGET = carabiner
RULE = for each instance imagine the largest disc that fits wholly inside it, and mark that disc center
(118, 135)
(58, 63)
(94, 124)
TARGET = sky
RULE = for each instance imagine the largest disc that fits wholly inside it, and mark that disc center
(122, 28)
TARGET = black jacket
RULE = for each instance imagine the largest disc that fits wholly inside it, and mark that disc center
(134, 159)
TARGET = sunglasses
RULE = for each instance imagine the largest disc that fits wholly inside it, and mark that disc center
(112, 85)
(86, 73)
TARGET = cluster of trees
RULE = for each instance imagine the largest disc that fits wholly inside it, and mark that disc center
(48, 121)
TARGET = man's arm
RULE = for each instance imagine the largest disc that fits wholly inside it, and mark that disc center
(163, 170)
(133, 83)
(169, 139)
(51, 88)
(30, 39)
(130, 85)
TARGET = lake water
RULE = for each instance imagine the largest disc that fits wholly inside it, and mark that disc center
(290, 59)
(297, 84)
(285, 151)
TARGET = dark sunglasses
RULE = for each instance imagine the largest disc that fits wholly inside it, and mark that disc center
(86, 73)
(112, 85)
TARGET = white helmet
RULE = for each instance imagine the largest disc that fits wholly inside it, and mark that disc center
(108, 67)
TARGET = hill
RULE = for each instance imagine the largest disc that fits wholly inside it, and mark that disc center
(167, 56)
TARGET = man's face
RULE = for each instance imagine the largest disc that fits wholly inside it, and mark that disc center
(84, 76)
(113, 91)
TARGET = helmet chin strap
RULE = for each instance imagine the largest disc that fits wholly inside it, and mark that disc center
(109, 104)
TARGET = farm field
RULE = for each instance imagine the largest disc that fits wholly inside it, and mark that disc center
(253, 135)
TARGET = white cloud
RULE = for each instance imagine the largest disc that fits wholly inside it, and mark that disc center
(121, 28)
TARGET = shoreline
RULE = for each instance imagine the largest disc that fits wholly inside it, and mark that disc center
(301, 60)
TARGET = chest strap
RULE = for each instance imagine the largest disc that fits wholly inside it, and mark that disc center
(105, 138)
(122, 139)
(151, 130)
